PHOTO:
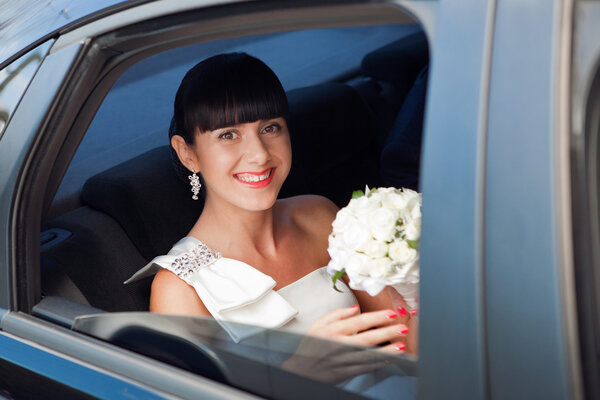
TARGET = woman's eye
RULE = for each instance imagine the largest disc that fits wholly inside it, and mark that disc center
(228, 135)
(271, 128)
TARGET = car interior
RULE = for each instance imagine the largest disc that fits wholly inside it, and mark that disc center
(120, 206)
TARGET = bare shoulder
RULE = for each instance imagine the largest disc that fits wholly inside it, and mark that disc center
(311, 213)
(171, 295)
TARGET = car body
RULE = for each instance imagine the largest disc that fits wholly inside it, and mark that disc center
(508, 303)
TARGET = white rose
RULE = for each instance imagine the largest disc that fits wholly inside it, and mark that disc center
(343, 218)
(356, 204)
(394, 200)
(412, 230)
(411, 194)
(339, 257)
(376, 249)
(357, 264)
(356, 236)
(380, 267)
(364, 207)
(401, 253)
(382, 223)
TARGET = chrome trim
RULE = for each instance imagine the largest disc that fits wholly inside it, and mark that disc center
(563, 190)
(480, 174)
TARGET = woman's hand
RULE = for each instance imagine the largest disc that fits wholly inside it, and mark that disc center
(337, 359)
(369, 329)
(408, 316)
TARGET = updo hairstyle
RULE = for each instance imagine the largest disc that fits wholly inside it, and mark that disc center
(224, 90)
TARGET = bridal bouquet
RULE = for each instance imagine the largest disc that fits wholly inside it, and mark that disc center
(375, 241)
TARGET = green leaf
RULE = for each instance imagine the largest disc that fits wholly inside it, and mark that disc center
(357, 193)
(337, 276)
(413, 244)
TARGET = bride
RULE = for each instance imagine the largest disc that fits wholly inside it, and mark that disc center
(250, 257)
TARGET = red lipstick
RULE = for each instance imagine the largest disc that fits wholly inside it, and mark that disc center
(247, 178)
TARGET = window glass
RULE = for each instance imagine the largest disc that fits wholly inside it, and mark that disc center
(15, 78)
(351, 92)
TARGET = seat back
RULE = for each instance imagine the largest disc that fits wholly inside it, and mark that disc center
(401, 155)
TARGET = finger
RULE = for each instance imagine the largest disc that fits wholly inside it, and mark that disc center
(404, 311)
(393, 348)
(396, 298)
(337, 315)
(363, 322)
(377, 336)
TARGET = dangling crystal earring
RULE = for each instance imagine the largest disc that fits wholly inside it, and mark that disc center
(196, 185)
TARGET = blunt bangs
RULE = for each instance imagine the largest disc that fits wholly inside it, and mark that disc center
(225, 90)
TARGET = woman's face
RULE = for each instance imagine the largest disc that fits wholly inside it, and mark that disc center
(245, 164)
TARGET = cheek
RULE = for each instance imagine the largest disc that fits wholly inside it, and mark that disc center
(283, 150)
(215, 160)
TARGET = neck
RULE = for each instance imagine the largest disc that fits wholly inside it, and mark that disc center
(230, 229)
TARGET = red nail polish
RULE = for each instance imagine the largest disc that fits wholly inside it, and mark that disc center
(402, 312)
(354, 306)
(414, 312)
(403, 329)
(391, 315)
(400, 346)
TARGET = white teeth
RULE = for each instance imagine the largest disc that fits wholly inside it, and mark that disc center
(254, 178)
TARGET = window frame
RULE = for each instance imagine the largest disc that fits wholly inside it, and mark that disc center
(88, 67)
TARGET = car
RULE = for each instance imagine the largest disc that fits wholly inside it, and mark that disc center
(489, 108)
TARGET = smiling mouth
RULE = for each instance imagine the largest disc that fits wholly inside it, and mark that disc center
(254, 178)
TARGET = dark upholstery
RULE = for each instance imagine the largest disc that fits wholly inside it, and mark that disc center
(333, 142)
(55, 282)
(393, 68)
(401, 155)
(398, 62)
(154, 207)
(97, 258)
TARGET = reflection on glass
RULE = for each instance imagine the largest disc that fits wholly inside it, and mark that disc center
(15, 78)
(275, 363)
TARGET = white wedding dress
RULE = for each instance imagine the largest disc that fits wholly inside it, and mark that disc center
(241, 298)
(243, 301)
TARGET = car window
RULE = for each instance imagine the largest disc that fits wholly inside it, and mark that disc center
(120, 132)
(15, 78)
(114, 212)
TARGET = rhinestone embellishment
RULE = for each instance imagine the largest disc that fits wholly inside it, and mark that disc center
(188, 263)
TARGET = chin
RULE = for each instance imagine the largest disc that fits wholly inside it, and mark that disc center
(258, 204)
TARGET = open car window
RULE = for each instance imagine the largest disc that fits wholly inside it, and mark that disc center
(356, 99)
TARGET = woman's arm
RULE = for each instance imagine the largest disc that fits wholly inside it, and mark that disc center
(171, 295)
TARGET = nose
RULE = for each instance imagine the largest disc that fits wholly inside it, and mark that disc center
(257, 151)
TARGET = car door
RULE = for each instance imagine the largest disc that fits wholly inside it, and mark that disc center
(41, 355)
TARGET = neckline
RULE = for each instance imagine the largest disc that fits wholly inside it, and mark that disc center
(198, 241)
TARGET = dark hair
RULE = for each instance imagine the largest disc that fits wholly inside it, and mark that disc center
(225, 90)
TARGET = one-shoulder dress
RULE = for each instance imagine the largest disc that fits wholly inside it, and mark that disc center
(241, 298)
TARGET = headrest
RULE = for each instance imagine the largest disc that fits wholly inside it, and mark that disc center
(401, 155)
(333, 140)
(154, 207)
(399, 61)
